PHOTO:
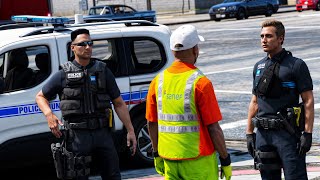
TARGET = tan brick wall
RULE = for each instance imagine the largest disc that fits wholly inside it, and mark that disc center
(71, 7)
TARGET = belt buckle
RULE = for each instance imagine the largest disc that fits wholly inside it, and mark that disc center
(265, 123)
(92, 124)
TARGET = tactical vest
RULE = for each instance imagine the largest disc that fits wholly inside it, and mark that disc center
(178, 124)
(85, 92)
(269, 84)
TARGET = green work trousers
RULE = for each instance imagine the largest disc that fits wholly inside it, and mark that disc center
(202, 168)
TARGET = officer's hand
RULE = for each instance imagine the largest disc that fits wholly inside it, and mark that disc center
(159, 164)
(132, 142)
(305, 143)
(251, 139)
(53, 123)
(226, 169)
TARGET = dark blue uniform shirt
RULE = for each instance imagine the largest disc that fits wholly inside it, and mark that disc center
(295, 78)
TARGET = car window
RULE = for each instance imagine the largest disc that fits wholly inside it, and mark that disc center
(1, 65)
(147, 56)
(105, 50)
(99, 11)
(24, 68)
(127, 9)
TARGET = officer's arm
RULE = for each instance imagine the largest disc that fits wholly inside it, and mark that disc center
(43, 104)
(217, 139)
(253, 109)
(308, 100)
(122, 111)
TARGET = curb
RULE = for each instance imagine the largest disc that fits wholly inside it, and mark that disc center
(204, 20)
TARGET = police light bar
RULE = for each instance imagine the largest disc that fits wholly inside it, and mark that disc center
(40, 19)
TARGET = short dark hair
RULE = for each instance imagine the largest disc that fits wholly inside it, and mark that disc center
(280, 30)
(76, 32)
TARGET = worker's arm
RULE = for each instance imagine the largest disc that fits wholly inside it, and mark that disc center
(217, 139)
(153, 132)
(53, 121)
(253, 109)
(122, 111)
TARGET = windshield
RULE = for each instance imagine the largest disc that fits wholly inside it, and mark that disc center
(227, 1)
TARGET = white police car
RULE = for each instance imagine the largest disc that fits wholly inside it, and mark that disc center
(135, 51)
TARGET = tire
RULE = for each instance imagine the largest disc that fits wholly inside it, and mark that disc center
(318, 6)
(269, 11)
(143, 156)
(217, 20)
(241, 14)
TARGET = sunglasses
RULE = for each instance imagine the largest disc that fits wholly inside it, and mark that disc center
(85, 43)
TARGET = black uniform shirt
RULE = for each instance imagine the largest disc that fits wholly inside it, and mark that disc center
(56, 84)
(293, 73)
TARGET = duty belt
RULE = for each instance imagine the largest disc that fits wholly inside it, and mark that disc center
(267, 123)
(94, 123)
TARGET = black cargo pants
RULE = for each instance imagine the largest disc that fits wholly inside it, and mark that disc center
(99, 144)
(294, 166)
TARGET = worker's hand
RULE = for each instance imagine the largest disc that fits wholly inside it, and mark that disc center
(226, 172)
(226, 169)
(53, 123)
(251, 139)
(132, 142)
(305, 143)
(158, 163)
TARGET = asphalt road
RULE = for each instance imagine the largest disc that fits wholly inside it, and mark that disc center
(233, 47)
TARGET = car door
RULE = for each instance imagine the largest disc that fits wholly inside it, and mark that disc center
(19, 114)
(252, 7)
(126, 13)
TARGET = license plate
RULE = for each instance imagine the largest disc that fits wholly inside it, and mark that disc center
(304, 6)
(220, 15)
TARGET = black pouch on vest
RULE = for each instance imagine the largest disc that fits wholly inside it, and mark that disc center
(270, 85)
(266, 79)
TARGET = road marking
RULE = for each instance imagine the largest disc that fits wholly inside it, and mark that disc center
(234, 124)
(307, 15)
(234, 92)
(244, 68)
(258, 28)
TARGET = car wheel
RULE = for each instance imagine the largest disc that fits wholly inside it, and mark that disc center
(241, 14)
(217, 20)
(143, 156)
(269, 11)
(318, 6)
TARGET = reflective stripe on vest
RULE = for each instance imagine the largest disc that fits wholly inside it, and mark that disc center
(178, 123)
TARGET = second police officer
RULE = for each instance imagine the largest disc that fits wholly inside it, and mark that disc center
(284, 126)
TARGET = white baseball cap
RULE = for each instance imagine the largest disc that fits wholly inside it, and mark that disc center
(184, 37)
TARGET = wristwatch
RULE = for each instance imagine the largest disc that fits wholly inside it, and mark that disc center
(155, 154)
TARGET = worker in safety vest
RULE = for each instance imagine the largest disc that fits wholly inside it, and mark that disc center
(183, 114)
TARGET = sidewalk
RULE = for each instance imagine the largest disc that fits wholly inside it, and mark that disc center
(242, 164)
(179, 18)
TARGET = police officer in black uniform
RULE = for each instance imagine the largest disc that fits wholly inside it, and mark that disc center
(279, 80)
(85, 87)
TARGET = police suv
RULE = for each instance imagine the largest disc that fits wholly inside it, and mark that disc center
(135, 51)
